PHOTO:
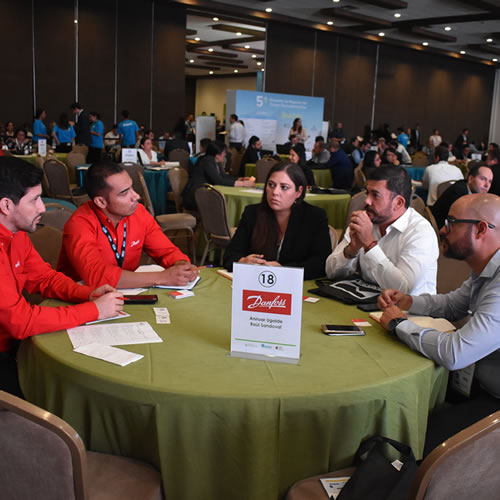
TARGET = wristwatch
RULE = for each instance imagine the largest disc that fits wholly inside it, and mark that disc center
(391, 327)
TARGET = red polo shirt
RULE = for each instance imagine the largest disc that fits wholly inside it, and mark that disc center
(21, 267)
(86, 253)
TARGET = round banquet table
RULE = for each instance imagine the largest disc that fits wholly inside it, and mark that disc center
(322, 176)
(32, 158)
(335, 205)
(219, 427)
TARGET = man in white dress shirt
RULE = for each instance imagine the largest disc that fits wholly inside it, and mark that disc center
(388, 242)
(440, 171)
(236, 133)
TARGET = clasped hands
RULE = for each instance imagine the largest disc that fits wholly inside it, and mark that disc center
(360, 232)
(255, 258)
(392, 303)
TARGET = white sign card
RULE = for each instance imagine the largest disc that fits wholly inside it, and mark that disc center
(42, 147)
(129, 155)
(266, 312)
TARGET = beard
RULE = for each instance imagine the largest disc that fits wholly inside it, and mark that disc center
(461, 249)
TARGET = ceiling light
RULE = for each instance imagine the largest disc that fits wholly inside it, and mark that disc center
(247, 46)
(238, 34)
(262, 69)
(215, 19)
(197, 39)
(210, 72)
(330, 23)
(425, 44)
(76, 21)
(489, 40)
(210, 50)
(259, 63)
(397, 14)
(447, 28)
(381, 33)
(495, 59)
(336, 1)
(254, 56)
(269, 9)
(462, 52)
(191, 61)
(236, 71)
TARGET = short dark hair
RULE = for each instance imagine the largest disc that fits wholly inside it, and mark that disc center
(442, 153)
(76, 105)
(235, 117)
(39, 112)
(125, 113)
(16, 177)
(205, 142)
(398, 181)
(319, 138)
(494, 154)
(95, 179)
(474, 170)
(215, 148)
(494, 145)
(253, 140)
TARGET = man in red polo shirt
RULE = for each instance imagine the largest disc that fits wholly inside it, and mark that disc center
(21, 267)
(103, 240)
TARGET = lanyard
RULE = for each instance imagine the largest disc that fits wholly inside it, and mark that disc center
(119, 256)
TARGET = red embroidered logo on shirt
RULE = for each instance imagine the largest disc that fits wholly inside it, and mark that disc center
(267, 302)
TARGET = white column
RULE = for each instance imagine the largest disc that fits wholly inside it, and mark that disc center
(495, 111)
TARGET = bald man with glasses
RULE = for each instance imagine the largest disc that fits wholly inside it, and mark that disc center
(471, 233)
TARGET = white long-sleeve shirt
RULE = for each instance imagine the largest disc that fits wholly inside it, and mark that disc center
(405, 258)
(237, 133)
(435, 175)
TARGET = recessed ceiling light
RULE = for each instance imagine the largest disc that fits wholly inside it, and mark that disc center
(397, 14)
(330, 23)
(495, 59)
(238, 34)
(215, 19)
(236, 71)
(76, 21)
(259, 63)
(462, 52)
(197, 39)
(254, 56)
(210, 72)
(269, 9)
(247, 46)
(210, 50)
(447, 28)
(489, 40)
(262, 69)
(381, 33)
(191, 61)
(336, 1)
(425, 44)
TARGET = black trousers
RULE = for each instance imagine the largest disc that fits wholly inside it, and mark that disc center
(9, 381)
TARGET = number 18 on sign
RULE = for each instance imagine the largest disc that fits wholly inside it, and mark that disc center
(266, 312)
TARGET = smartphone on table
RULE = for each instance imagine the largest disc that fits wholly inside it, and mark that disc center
(339, 330)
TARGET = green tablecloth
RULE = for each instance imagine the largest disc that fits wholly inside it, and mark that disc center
(228, 428)
(32, 158)
(335, 205)
(323, 176)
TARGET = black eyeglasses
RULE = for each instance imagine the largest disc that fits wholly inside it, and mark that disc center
(451, 220)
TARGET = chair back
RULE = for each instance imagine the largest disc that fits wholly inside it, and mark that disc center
(181, 156)
(451, 273)
(443, 187)
(263, 166)
(464, 466)
(134, 170)
(359, 177)
(430, 217)
(178, 178)
(236, 157)
(334, 236)
(56, 215)
(419, 159)
(213, 210)
(74, 159)
(143, 192)
(58, 179)
(81, 148)
(42, 456)
(47, 241)
(418, 204)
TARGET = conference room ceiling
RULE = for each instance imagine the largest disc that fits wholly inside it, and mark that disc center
(466, 29)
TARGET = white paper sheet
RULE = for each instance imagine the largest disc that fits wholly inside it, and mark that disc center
(155, 268)
(132, 291)
(440, 324)
(120, 315)
(109, 354)
(252, 190)
(115, 334)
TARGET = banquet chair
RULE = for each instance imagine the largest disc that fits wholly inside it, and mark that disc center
(175, 226)
(443, 186)
(213, 210)
(47, 241)
(357, 203)
(133, 169)
(81, 148)
(418, 204)
(334, 236)
(451, 273)
(181, 156)
(72, 161)
(56, 215)
(430, 217)
(236, 157)
(59, 185)
(263, 167)
(39, 161)
(43, 458)
(359, 177)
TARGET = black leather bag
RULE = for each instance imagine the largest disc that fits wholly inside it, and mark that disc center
(375, 477)
(350, 290)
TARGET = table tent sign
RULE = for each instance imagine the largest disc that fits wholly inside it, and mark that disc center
(266, 312)
(42, 147)
(129, 155)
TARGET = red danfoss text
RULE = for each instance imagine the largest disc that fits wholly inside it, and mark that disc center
(267, 302)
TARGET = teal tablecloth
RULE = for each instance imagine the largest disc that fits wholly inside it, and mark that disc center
(222, 428)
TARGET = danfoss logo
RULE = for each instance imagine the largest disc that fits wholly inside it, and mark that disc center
(267, 302)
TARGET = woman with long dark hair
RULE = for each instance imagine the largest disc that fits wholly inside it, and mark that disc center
(64, 134)
(297, 155)
(298, 130)
(371, 161)
(283, 229)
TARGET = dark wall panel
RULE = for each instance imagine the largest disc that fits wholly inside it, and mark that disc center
(190, 97)
(134, 59)
(16, 88)
(97, 57)
(325, 66)
(168, 64)
(55, 56)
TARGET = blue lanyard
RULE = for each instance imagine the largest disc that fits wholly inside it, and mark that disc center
(119, 256)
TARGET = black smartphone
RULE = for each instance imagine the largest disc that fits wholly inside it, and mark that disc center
(369, 307)
(140, 299)
(334, 330)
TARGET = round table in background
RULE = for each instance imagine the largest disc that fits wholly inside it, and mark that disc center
(223, 428)
(322, 176)
(335, 205)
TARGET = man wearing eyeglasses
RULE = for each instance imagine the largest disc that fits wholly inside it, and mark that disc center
(472, 233)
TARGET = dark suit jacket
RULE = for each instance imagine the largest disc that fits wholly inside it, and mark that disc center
(175, 143)
(251, 155)
(82, 129)
(306, 244)
(495, 183)
(445, 201)
(416, 142)
(342, 170)
(206, 171)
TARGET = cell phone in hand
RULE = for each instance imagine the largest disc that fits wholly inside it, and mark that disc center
(140, 299)
(339, 330)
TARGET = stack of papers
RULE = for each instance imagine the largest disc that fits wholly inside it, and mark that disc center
(154, 268)
(440, 324)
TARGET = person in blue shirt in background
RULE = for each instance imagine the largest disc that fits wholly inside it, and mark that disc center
(39, 128)
(403, 138)
(128, 130)
(64, 134)
(97, 132)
